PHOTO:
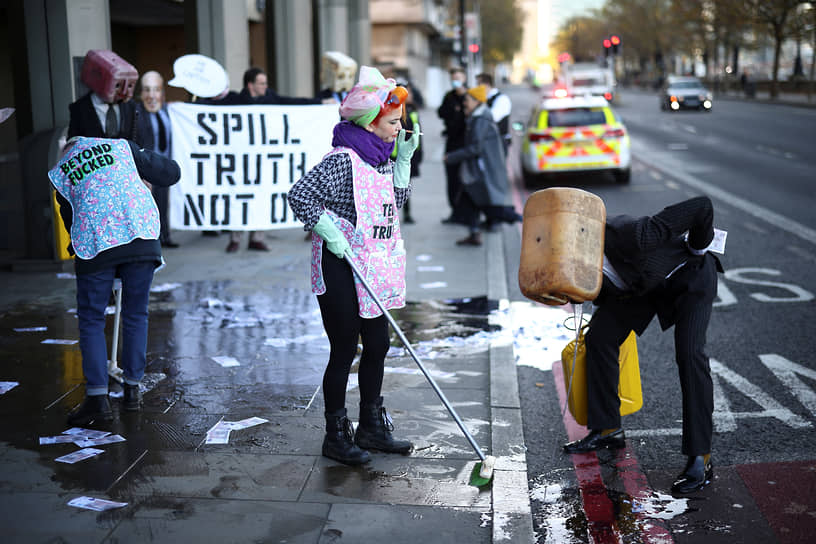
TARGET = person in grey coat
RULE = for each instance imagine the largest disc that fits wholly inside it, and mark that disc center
(483, 169)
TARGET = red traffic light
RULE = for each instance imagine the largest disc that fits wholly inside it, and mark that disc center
(615, 40)
(473, 48)
(607, 43)
(563, 57)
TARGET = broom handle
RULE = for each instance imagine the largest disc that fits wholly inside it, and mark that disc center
(410, 349)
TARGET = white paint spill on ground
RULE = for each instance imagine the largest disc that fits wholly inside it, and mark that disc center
(538, 334)
(660, 506)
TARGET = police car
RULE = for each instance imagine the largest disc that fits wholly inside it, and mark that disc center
(574, 134)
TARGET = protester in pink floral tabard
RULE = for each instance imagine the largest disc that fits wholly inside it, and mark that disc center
(349, 202)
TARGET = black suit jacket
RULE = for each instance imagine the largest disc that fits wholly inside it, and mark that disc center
(85, 122)
(647, 249)
(144, 128)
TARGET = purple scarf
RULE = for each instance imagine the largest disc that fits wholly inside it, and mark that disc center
(367, 145)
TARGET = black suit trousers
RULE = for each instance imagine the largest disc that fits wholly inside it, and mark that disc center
(687, 298)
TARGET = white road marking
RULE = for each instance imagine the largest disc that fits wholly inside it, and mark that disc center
(778, 220)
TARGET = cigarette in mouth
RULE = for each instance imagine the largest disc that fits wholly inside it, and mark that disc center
(411, 132)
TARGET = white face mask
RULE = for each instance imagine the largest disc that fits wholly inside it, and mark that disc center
(456, 83)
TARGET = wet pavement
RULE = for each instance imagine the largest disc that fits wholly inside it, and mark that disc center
(239, 336)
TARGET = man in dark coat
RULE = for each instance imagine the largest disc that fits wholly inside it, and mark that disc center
(650, 268)
(452, 113)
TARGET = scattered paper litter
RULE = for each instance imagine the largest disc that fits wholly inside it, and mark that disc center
(88, 442)
(219, 433)
(5, 387)
(98, 505)
(433, 285)
(276, 342)
(85, 433)
(226, 361)
(30, 329)
(246, 423)
(60, 341)
(79, 455)
(435, 268)
(423, 258)
(65, 275)
(163, 287)
(61, 439)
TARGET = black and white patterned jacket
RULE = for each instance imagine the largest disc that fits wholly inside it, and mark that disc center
(330, 186)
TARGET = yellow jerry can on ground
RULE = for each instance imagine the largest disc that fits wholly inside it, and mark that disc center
(629, 391)
(562, 244)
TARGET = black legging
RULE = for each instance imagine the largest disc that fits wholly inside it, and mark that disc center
(343, 324)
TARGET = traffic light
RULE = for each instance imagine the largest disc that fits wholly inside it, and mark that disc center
(615, 41)
(607, 43)
(563, 57)
(473, 48)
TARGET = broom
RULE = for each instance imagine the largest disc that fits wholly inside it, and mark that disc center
(483, 470)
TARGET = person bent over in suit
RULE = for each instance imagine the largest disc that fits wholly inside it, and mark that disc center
(649, 268)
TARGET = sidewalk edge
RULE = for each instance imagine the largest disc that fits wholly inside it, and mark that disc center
(512, 515)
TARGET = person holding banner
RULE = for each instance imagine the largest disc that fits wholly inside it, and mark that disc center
(349, 201)
(114, 225)
(256, 91)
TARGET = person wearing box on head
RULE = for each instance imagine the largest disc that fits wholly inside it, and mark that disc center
(350, 202)
(106, 111)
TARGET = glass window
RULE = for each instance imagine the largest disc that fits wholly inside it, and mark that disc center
(576, 117)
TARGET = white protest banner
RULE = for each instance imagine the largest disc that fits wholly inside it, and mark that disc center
(239, 162)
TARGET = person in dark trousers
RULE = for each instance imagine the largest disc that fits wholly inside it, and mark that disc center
(452, 113)
(482, 168)
(155, 134)
(651, 269)
(350, 201)
(114, 225)
(256, 91)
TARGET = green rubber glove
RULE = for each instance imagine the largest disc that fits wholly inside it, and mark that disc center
(405, 150)
(335, 241)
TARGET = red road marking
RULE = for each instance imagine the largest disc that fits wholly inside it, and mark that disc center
(598, 507)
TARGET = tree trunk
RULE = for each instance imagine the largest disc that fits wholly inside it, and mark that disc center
(777, 54)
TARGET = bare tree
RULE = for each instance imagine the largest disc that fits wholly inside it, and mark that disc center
(775, 16)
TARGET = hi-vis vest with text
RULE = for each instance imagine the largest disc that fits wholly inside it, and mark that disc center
(111, 204)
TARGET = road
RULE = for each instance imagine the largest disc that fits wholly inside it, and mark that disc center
(757, 163)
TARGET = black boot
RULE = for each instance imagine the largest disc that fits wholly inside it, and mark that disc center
(698, 473)
(95, 408)
(132, 399)
(339, 441)
(374, 432)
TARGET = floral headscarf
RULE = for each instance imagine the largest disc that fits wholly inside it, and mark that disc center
(369, 95)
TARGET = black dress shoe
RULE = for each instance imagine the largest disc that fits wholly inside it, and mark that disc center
(695, 476)
(595, 441)
(132, 398)
(95, 408)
